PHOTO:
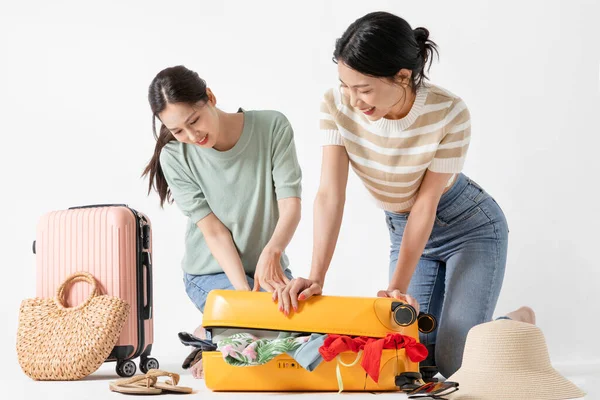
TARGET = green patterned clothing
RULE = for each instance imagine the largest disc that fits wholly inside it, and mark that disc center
(244, 349)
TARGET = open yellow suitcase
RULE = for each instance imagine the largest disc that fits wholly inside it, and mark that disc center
(352, 316)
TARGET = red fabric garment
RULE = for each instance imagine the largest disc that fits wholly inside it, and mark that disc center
(371, 361)
(336, 344)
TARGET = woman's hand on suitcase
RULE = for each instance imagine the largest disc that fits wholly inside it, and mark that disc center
(299, 289)
(397, 294)
(268, 274)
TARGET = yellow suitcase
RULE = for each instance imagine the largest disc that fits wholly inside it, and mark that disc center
(352, 316)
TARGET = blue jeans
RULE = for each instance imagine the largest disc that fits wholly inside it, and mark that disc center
(198, 286)
(460, 273)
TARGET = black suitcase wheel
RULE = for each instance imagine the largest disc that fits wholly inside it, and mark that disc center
(147, 364)
(403, 314)
(428, 373)
(126, 369)
(427, 323)
(408, 381)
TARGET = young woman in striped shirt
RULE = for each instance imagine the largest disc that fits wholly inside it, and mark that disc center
(407, 141)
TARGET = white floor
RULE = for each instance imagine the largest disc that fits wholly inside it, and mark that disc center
(15, 385)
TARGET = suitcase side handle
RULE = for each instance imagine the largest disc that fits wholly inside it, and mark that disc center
(98, 205)
(147, 310)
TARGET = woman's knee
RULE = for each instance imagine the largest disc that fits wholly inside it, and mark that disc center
(448, 359)
(197, 296)
(450, 345)
(195, 292)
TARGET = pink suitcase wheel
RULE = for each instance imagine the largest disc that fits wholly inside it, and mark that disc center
(147, 364)
(126, 369)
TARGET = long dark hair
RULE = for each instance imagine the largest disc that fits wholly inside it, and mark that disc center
(380, 44)
(171, 85)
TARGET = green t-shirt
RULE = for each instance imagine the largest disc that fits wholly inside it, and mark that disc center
(240, 186)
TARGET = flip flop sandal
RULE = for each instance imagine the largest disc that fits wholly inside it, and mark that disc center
(139, 384)
(190, 340)
(170, 385)
(199, 345)
(192, 358)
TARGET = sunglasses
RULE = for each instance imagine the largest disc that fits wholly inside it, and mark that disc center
(433, 390)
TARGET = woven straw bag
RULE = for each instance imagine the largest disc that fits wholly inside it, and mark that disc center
(59, 343)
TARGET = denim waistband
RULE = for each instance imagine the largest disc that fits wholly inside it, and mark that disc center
(460, 183)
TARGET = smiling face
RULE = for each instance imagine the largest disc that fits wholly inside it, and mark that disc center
(374, 97)
(193, 123)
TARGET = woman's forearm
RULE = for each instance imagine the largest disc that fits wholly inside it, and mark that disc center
(328, 213)
(416, 234)
(289, 218)
(418, 228)
(221, 245)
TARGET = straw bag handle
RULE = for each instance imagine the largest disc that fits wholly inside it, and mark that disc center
(76, 277)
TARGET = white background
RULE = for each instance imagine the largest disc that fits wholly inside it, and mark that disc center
(76, 129)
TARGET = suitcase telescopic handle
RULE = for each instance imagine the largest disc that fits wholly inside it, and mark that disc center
(98, 205)
(147, 311)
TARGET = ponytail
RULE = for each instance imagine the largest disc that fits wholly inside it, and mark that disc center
(153, 170)
(427, 49)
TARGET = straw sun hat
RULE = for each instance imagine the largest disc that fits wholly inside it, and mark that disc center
(507, 359)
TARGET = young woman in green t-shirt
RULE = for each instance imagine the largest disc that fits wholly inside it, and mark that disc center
(235, 176)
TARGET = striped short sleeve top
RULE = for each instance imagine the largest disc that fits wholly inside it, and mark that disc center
(392, 156)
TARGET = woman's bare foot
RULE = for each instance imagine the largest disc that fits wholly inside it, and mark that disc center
(523, 314)
(200, 332)
(197, 370)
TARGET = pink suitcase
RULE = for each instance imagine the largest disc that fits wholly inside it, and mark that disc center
(113, 243)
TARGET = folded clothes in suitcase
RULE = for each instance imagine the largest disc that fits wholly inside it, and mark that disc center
(352, 320)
